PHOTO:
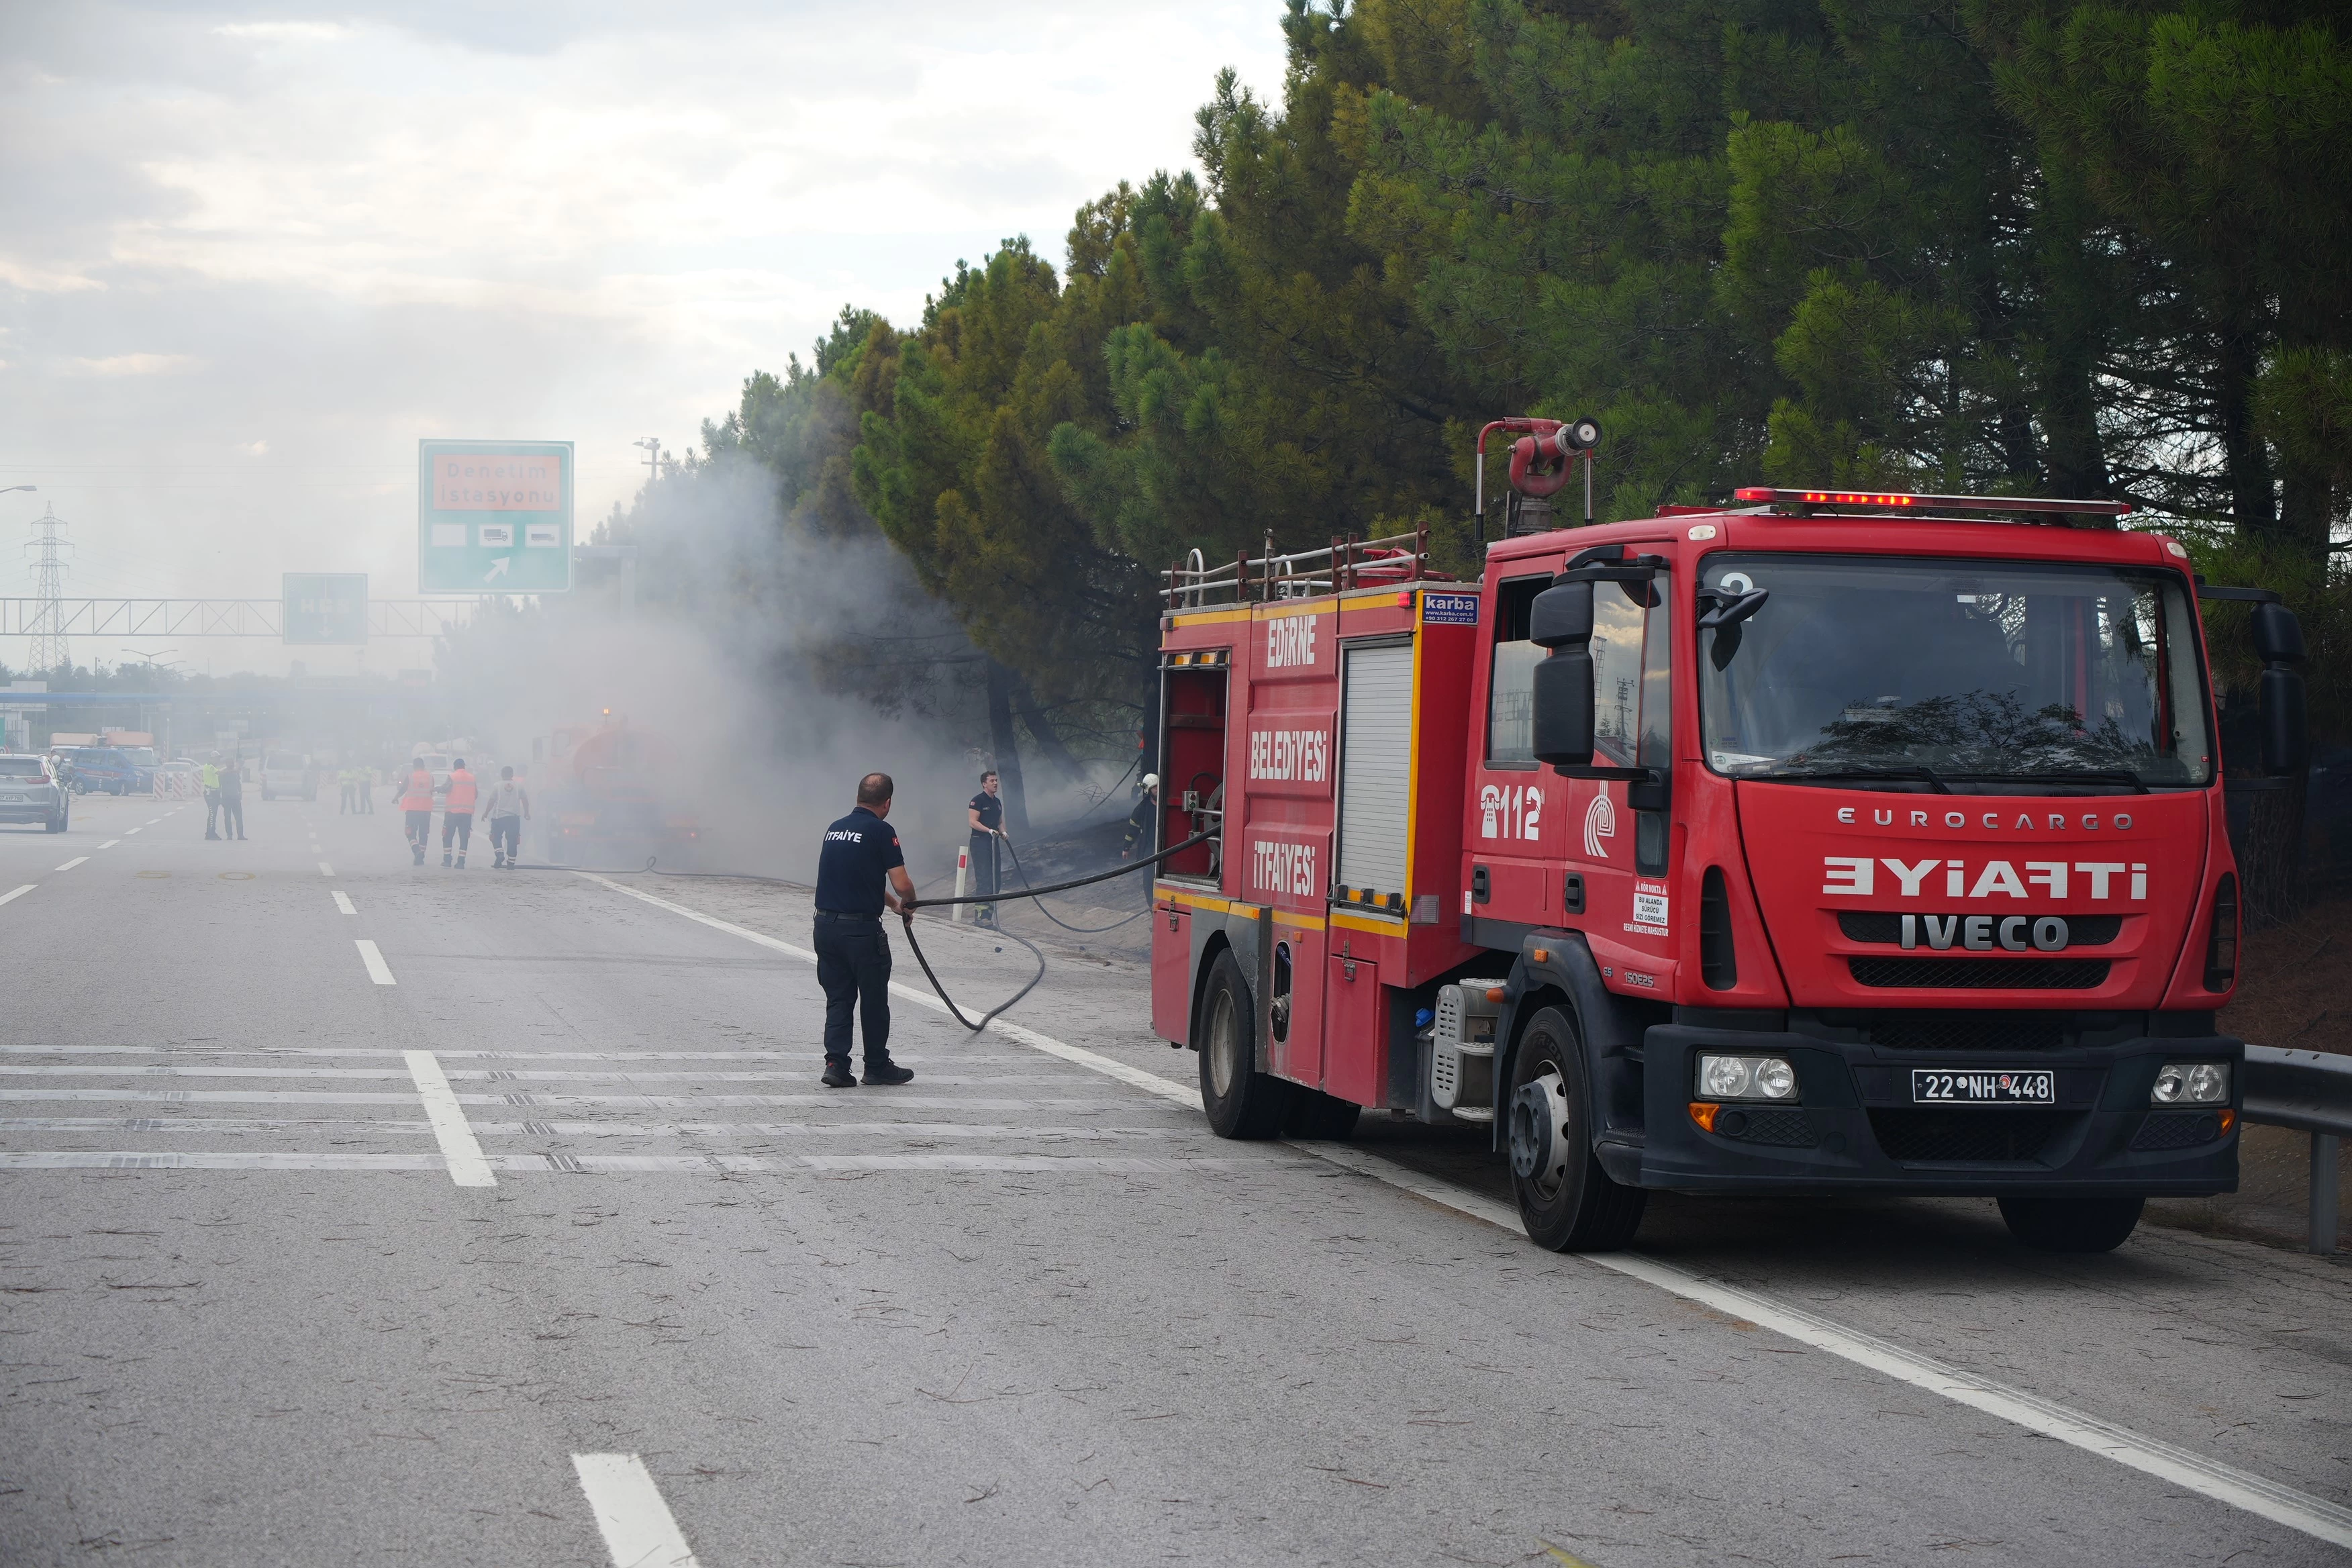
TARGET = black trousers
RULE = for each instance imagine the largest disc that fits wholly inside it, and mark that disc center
(853, 964)
(232, 809)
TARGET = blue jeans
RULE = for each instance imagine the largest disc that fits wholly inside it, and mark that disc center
(853, 964)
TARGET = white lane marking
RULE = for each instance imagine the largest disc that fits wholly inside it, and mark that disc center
(18, 893)
(637, 1526)
(325, 869)
(344, 902)
(154, 820)
(110, 844)
(74, 862)
(2208, 1477)
(128, 831)
(378, 970)
(1150, 1083)
(467, 1166)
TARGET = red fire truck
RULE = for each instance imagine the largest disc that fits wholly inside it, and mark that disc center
(1817, 843)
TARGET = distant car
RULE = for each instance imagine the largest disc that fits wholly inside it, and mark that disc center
(106, 770)
(29, 791)
(289, 772)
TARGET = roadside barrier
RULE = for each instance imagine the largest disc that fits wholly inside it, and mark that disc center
(2310, 1091)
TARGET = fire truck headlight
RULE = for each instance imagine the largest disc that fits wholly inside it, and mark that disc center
(1747, 1078)
(2192, 1083)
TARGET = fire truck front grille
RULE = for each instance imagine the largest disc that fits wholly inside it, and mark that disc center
(1969, 1031)
(1886, 926)
(1980, 974)
(2177, 1130)
(1971, 1136)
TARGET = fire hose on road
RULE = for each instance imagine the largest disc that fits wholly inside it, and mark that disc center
(652, 868)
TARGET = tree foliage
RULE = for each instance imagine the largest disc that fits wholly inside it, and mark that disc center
(2012, 245)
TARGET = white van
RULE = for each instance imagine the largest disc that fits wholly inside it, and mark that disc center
(287, 772)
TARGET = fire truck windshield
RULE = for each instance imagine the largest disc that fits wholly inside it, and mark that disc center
(1953, 669)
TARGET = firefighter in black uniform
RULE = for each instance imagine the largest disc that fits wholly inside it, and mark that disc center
(858, 872)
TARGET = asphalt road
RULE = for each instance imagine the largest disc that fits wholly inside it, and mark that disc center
(552, 1250)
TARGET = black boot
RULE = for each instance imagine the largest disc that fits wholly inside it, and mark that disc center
(837, 1073)
(886, 1072)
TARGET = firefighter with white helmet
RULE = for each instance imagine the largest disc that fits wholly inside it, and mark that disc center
(1138, 821)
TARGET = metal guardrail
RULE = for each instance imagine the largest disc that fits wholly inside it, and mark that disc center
(2310, 1091)
(213, 617)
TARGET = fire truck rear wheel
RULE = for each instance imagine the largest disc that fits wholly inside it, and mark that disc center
(1242, 1101)
(1565, 1200)
(2094, 1223)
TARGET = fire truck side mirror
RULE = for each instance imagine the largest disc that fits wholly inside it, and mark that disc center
(1561, 701)
(2278, 636)
(2278, 696)
(1561, 615)
(2286, 740)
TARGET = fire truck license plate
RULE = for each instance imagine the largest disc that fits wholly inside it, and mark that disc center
(1931, 1087)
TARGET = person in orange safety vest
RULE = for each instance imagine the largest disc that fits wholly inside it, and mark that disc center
(416, 799)
(457, 812)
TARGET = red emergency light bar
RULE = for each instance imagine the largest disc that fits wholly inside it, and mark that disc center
(1886, 502)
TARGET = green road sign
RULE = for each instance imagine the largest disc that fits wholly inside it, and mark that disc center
(493, 517)
(325, 607)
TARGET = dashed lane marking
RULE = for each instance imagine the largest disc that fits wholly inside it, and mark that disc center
(74, 862)
(344, 902)
(378, 970)
(2208, 1477)
(467, 1166)
(325, 869)
(637, 1526)
(17, 893)
(128, 831)
(110, 844)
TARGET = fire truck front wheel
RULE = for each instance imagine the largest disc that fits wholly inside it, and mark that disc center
(1565, 1200)
(1242, 1101)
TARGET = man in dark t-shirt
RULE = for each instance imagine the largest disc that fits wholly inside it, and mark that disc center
(986, 815)
(859, 872)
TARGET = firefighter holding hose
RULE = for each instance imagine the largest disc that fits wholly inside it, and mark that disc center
(860, 871)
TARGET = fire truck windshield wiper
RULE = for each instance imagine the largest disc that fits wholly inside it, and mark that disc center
(2123, 776)
(1926, 775)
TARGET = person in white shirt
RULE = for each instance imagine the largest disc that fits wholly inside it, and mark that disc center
(507, 803)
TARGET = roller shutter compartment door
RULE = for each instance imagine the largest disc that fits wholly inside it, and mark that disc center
(1375, 766)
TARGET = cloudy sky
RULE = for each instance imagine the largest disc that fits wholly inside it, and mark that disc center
(250, 254)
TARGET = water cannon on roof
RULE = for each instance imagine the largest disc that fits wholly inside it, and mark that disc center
(1543, 456)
